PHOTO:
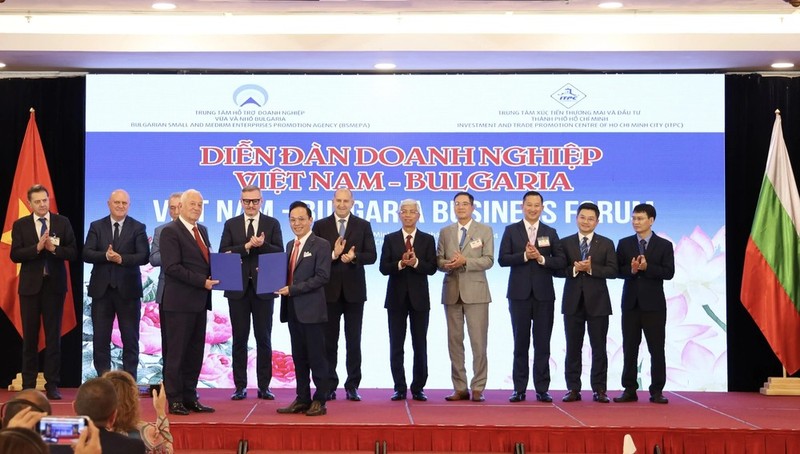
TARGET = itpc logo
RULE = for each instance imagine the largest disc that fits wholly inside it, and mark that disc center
(568, 96)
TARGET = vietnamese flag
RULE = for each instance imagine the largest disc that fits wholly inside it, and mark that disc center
(31, 169)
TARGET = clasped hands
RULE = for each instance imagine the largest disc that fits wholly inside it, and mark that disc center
(456, 262)
(45, 242)
(638, 263)
(255, 241)
(113, 256)
(409, 259)
(338, 251)
(583, 265)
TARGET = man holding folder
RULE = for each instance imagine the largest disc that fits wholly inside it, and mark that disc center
(249, 235)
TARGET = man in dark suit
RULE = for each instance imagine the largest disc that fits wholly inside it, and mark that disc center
(533, 251)
(408, 257)
(97, 399)
(586, 305)
(187, 297)
(353, 247)
(116, 245)
(304, 307)
(174, 205)
(41, 243)
(645, 261)
(250, 234)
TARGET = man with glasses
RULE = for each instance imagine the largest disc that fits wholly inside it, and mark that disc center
(464, 253)
(116, 246)
(408, 257)
(251, 234)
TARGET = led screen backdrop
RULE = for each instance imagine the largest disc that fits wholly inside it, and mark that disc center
(616, 140)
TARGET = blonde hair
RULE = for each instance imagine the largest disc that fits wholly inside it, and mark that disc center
(127, 400)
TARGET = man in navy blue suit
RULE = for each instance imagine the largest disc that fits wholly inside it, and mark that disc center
(117, 246)
(533, 252)
(251, 234)
(304, 308)
(645, 261)
(187, 296)
(408, 257)
(586, 304)
(41, 243)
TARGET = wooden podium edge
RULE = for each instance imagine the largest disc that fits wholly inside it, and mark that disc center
(781, 386)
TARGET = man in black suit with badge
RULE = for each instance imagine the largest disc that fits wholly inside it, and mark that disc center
(586, 304)
(41, 243)
(251, 234)
(116, 245)
(187, 297)
(408, 257)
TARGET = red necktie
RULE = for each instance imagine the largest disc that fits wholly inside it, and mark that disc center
(408, 243)
(293, 261)
(200, 243)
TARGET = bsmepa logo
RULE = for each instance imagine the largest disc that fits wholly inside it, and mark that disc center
(250, 95)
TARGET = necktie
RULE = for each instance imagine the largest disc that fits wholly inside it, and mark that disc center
(251, 232)
(293, 260)
(203, 247)
(341, 228)
(116, 232)
(408, 243)
(532, 235)
(642, 246)
(463, 238)
(584, 248)
(42, 232)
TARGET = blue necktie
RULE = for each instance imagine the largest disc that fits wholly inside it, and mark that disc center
(463, 238)
(42, 232)
(584, 248)
(341, 228)
(642, 246)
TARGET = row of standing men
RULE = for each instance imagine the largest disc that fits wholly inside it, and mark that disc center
(322, 292)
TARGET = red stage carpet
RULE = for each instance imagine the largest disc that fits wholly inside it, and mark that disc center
(693, 422)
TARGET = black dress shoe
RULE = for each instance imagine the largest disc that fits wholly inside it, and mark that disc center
(544, 397)
(659, 399)
(419, 395)
(266, 394)
(600, 396)
(317, 408)
(197, 407)
(627, 396)
(517, 397)
(239, 394)
(352, 394)
(177, 408)
(52, 393)
(295, 407)
(331, 395)
(398, 396)
(571, 396)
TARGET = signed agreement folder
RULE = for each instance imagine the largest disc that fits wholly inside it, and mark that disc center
(271, 272)
(227, 268)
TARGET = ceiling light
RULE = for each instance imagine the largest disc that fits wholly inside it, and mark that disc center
(385, 66)
(163, 6)
(2, 65)
(610, 5)
(782, 65)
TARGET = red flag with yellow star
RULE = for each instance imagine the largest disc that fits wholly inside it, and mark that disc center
(31, 169)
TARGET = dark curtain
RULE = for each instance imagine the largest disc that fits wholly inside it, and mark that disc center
(750, 104)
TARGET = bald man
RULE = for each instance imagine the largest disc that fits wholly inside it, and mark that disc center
(117, 246)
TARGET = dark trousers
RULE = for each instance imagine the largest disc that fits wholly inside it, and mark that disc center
(46, 307)
(575, 326)
(353, 315)
(186, 334)
(128, 313)
(261, 311)
(419, 343)
(536, 317)
(308, 354)
(653, 325)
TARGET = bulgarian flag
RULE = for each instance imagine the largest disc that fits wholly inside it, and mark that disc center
(771, 276)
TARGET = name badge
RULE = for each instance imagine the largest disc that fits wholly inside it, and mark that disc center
(55, 240)
(543, 241)
(475, 244)
(306, 254)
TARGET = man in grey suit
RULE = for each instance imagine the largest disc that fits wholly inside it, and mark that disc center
(591, 260)
(464, 252)
(304, 308)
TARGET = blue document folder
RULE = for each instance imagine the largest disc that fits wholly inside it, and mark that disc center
(227, 268)
(271, 272)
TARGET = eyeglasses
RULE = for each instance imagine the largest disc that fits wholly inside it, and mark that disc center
(251, 201)
(405, 212)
